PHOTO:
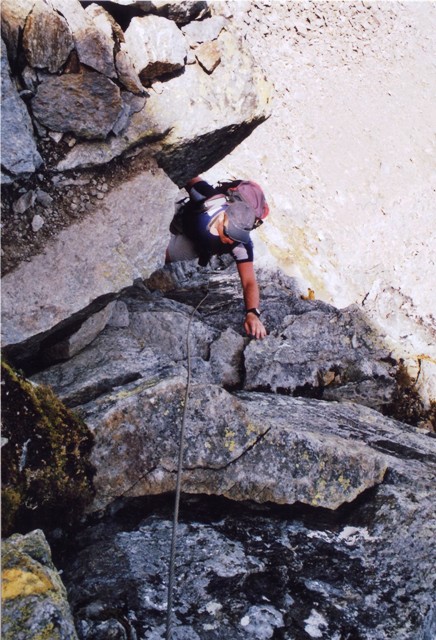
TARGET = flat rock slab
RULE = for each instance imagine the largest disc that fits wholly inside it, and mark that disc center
(97, 256)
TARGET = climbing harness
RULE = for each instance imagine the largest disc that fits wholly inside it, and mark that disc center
(171, 571)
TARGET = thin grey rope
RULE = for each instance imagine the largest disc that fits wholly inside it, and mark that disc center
(171, 572)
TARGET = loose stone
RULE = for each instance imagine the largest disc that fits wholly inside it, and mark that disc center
(37, 223)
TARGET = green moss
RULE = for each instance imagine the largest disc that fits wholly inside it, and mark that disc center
(46, 473)
(11, 500)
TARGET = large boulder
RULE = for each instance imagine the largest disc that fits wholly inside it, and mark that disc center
(19, 152)
(239, 448)
(34, 598)
(156, 45)
(93, 39)
(87, 104)
(47, 39)
(138, 127)
(226, 109)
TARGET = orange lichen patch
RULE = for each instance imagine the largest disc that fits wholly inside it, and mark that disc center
(423, 356)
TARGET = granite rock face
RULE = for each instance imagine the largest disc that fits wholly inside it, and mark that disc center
(300, 517)
(129, 386)
(76, 101)
(242, 571)
(300, 419)
(322, 348)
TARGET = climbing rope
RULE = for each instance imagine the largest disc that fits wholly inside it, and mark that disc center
(171, 571)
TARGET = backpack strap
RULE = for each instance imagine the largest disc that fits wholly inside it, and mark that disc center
(226, 186)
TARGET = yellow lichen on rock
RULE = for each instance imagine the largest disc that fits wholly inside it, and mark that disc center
(320, 492)
(34, 598)
(229, 441)
(344, 482)
(18, 582)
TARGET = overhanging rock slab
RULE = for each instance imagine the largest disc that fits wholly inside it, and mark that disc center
(121, 240)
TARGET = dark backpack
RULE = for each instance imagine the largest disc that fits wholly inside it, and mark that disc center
(177, 225)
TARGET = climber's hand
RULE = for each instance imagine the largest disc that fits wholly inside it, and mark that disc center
(254, 326)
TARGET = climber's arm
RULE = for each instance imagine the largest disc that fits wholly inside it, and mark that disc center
(191, 182)
(253, 325)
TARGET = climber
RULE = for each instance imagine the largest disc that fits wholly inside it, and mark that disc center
(218, 220)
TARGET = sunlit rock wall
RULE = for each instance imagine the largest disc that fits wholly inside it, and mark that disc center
(348, 159)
